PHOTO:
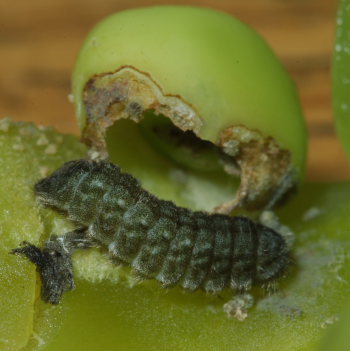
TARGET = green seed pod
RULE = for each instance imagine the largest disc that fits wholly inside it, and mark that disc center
(341, 75)
(229, 103)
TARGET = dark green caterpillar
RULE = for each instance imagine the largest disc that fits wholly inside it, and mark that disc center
(158, 239)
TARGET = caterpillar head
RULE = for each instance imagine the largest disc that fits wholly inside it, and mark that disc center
(56, 189)
(61, 189)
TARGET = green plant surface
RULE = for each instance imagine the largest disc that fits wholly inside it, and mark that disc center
(341, 75)
(27, 154)
(111, 310)
(337, 339)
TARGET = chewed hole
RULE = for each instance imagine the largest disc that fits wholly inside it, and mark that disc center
(184, 147)
(159, 153)
(266, 170)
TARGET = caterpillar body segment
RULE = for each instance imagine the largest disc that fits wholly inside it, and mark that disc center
(159, 240)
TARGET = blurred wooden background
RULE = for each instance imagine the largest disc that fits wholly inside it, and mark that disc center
(40, 39)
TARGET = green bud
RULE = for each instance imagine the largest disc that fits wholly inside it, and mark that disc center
(214, 78)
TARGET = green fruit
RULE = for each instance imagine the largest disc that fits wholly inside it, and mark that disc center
(341, 75)
(207, 73)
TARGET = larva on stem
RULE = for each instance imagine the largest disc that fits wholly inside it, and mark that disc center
(159, 240)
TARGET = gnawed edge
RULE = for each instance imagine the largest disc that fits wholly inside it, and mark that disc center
(266, 170)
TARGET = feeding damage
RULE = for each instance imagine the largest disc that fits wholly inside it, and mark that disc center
(126, 94)
(267, 175)
(265, 169)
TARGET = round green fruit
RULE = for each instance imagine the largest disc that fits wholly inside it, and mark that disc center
(213, 79)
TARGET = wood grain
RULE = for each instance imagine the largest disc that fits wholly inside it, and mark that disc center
(40, 39)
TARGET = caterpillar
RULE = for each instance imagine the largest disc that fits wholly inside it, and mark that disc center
(159, 240)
